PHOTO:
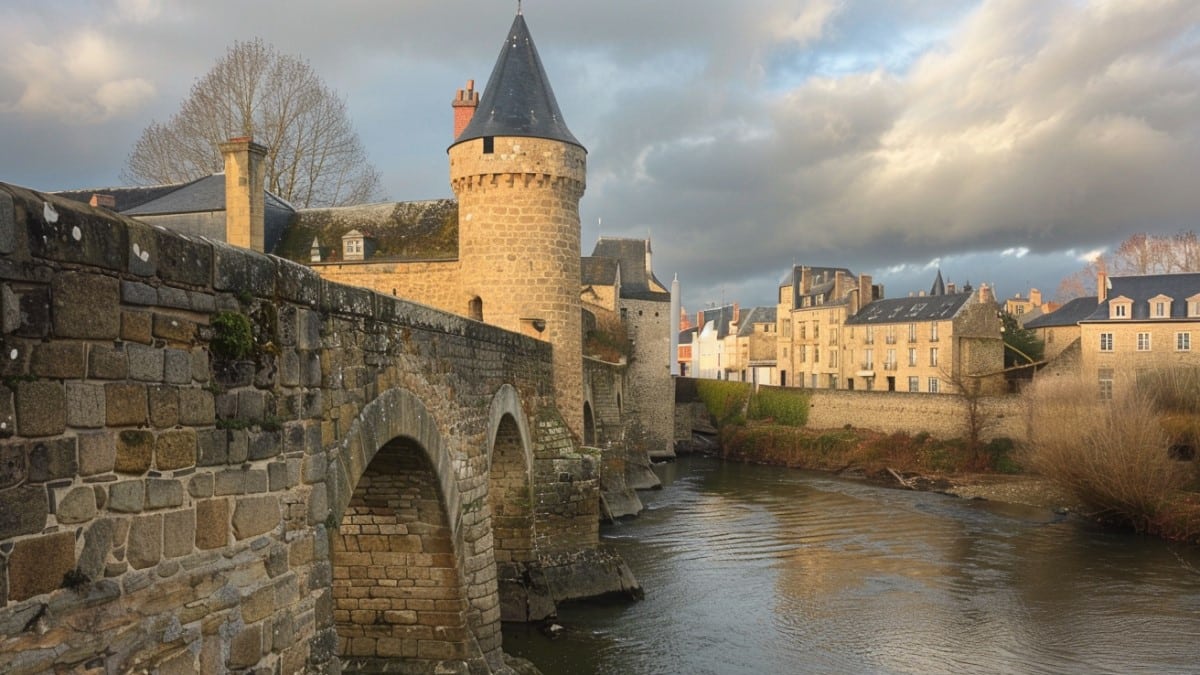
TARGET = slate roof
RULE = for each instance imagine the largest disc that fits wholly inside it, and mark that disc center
(911, 310)
(518, 100)
(1140, 289)
(598, 271)
(686, 335)
(1069, 314)
(755, 315)
(820, 284)
(126, 197)
(722, 316)
(637, 283)
(204, 194)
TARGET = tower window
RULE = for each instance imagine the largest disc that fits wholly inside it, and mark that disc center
(489, 145)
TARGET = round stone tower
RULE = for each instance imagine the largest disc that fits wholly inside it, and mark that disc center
(518, 174)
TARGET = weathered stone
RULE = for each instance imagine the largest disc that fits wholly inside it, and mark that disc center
(33, 314)
(238, 446)
(259, 604)
(97, 453)
(8, 224)
(174, 329)
(176, 449)
(78, 506)
(23, 510)
(85, 405)
(201, 302)
(177, 366)
(137, 293)
(125, 404)
(255, 515)
(212, 523)
(184, 260)
(135, 449)
(8, 413)
(58, 360)
(179, 533)
(86, 306)
(172, 297)
(41, 408)
(163, 493)
(263, 444)
(246, 647)
(52, 459)
(278, 475)
(127, 496)
(14, 468)
(251, 404)
(200, 364)
(212, 446)
(143, 251)
(37, 565)
(237, 269)
(145, 363)
(135, 327)
(97, 542)
(196, 407)
(107, 363)
(144, 546)
(164, 406)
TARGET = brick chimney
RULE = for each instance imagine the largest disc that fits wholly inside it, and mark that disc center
(464, 105)
(864, 295)
(245, 172)
(1035, 297)
(103, 201)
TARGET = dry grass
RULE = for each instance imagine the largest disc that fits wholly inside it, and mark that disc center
(1112, 455)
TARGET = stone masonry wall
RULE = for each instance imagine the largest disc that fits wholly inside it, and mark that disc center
(941, 415)
(168, 508)
(434, 283)
(650, 395)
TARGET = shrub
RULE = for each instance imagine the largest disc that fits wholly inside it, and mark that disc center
(726, 401)
(233, 338)
(788, 407)
(1112, 455)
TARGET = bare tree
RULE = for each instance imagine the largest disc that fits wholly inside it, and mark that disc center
(1141, 253)
(314, 156)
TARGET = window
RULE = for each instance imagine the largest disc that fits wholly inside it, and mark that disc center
(933, 356)
(1106, 383)
(803, 353)
(833, 358)
(833, 382)
(914, 383)
(1194, 308)
(912, 332)
(815, 384)
(816, 330)
(870, 335)
(933, 385)
(1160, 309)
(1120, 311)
(1143, 342)
(816, 354)
(489, 145)
(803, 330)
(912, 356)
(891, 335)
(869, 364)
(890, 364)
(833, 335)
(1106, 342)
(933, 332)
(1183, 342)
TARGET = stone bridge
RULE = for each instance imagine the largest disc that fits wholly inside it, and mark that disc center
(215, 461)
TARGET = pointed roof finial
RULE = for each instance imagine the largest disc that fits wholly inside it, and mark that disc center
(518, 7)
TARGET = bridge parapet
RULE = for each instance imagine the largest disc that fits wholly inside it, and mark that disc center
(185, 428)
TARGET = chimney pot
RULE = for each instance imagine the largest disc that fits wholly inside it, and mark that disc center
(103, 201)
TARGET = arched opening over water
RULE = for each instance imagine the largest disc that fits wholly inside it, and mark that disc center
(397, 592)
(589, 425)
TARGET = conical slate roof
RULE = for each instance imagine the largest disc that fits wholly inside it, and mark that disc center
(518, 100)
(939, 286)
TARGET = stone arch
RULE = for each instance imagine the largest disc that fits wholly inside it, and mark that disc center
(397, 547)
(507, 401)
(589, 425)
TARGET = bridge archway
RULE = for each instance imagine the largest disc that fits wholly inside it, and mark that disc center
(510, 478)
(397, 553)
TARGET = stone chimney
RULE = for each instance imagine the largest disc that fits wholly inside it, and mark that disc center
(805, 280)
(244, 175)
(464, 104)
(864, 295)
(1035, 297)
(103, 201)
(1101, 286)
(951, 288)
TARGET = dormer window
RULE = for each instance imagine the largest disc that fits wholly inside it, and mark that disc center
(354, 245)
(1120, 308)
(1193, 307)
(1160, 307)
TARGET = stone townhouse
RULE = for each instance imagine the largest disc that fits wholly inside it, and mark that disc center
(1139, 323)
(750, 351)
(941, 342)
(814, 304)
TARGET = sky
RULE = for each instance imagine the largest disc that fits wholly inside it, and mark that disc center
(1000, 141)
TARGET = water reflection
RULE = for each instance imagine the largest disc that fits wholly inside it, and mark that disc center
(758, 570)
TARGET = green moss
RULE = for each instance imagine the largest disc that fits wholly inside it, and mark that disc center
(233, 338)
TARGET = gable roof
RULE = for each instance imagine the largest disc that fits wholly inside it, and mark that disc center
(721, 317)
(126, 197)
(518, 100)
(1140, 289)
(911, 310)
(637, 283)
(1069, 314)
(755, 315)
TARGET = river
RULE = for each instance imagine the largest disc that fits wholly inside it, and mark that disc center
(752, 569)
